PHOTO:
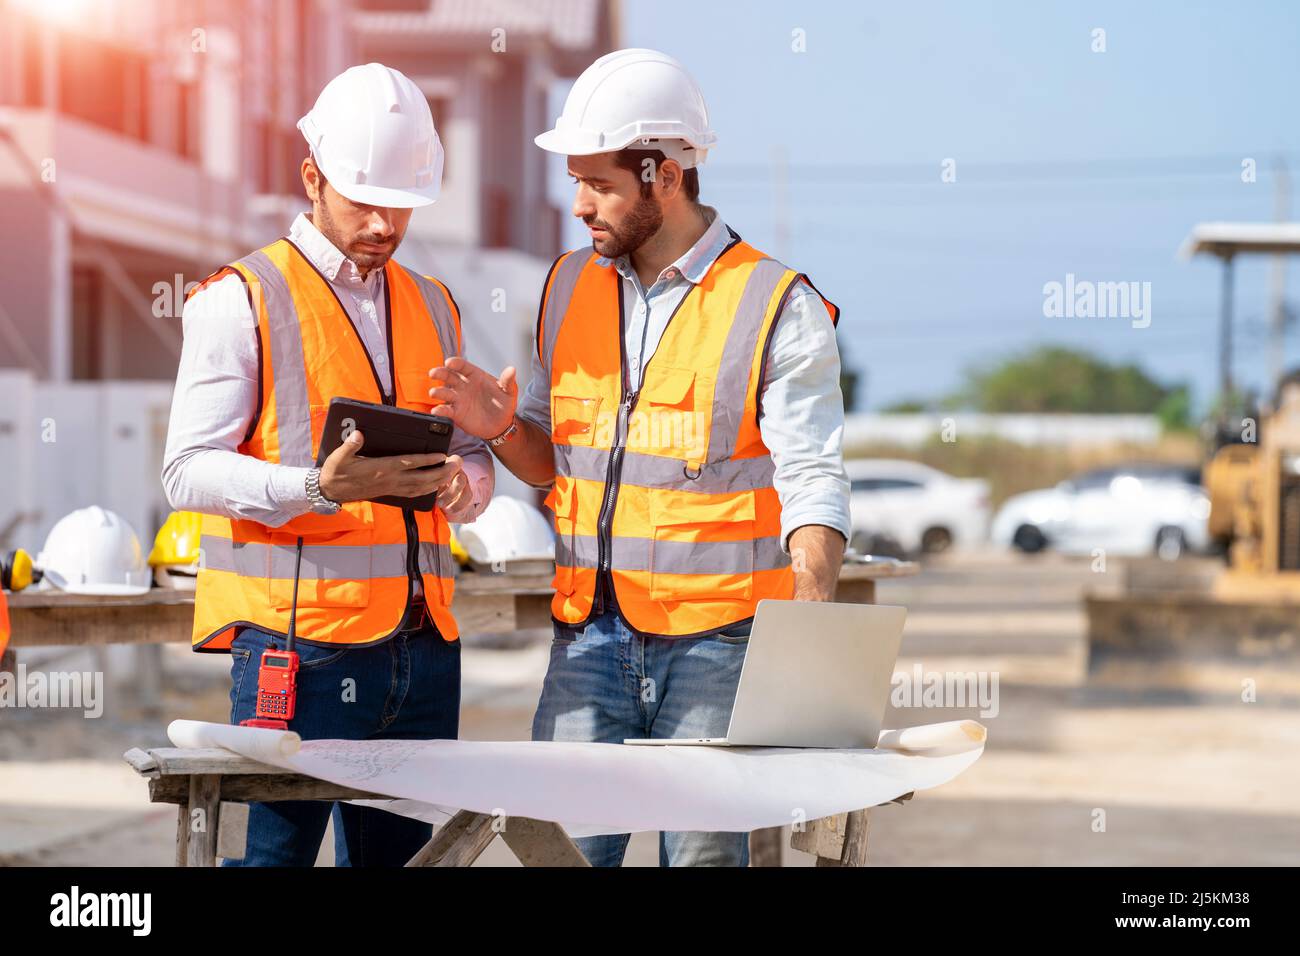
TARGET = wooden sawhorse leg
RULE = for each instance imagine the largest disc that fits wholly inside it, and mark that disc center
(839, 840)
(463, 838)
(197, 820)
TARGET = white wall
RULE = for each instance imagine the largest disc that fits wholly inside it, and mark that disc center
(70, 445)
(18, 437)
(1073, 430)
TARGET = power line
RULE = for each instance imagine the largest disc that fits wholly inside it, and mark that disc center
(997, 194)
(1010, 172)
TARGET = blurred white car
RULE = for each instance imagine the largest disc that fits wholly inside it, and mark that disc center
(911, 508)
(1127, 510)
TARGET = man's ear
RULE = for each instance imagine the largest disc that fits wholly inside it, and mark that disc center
(670, 178)
(312, 181)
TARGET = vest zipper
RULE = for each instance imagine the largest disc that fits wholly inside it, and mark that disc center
(413, 579)
(414, 582)
(605, 521)
(613, 470)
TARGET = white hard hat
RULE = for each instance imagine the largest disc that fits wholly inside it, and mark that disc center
(93, 551)
(508, 530)
(371, 134)
(637, 98)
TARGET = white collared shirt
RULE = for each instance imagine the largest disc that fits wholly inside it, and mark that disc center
(216, 396)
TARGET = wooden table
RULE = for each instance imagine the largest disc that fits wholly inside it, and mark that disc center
(212, 787)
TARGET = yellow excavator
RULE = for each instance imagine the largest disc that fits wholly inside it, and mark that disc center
(1254, 482)
(1254, 489)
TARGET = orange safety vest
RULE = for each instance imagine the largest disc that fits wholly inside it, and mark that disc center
(663, 497)
(356, 576)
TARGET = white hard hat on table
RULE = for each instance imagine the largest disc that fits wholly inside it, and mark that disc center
(508, 530)
(371, 134)
(93, 551)
(633, 98)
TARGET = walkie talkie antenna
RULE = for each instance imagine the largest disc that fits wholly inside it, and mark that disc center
(293, 608)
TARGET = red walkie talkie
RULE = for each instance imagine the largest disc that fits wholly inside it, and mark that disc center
(277, 677)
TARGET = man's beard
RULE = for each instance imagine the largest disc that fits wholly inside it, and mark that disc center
(642, 221)
(364, 260)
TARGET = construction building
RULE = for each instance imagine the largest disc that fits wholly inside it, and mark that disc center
(145, 143)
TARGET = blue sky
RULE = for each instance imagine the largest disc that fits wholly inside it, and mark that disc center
(1067, 161)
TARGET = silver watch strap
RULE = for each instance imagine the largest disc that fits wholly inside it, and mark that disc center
(319, 502)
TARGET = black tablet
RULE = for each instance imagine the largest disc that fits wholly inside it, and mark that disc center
(388, 430)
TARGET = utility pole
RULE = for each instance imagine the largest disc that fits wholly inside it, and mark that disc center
(1277, 278)
(1225, 341)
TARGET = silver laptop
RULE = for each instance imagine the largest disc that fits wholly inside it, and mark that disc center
(815, 675)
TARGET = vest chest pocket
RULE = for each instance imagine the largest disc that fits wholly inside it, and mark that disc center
(563, 502)
(413, 389)
(702, 550)
(573, 420)
(669, 418)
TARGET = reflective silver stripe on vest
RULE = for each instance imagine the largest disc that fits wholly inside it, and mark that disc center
(563, 281)
(732, 384)
(319, 561)
(435, 559)
(435, 300)
(674, 557)
(655, 471)
(292, 406)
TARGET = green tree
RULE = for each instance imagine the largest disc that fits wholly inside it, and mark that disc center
(1056, 379)
(908, 406)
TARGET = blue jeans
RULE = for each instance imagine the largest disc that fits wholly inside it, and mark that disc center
(605, 683)
(407, 688)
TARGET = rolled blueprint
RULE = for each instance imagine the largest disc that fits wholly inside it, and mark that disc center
(952, 736)
(259, 743)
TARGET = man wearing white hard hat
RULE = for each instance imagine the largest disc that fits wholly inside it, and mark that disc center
(269, 340)
(684, 404)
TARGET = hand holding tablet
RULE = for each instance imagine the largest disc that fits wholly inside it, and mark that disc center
(399, 458)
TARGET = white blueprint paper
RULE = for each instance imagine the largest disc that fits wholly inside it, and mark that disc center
(605, 788)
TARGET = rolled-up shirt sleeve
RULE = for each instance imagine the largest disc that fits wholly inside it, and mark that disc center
(213, 405)
(535, 400)
(802, 417)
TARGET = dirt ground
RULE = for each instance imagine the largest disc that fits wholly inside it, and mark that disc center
(1153, 766)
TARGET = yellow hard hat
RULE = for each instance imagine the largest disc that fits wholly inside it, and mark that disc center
(458, 552)
(177, 541)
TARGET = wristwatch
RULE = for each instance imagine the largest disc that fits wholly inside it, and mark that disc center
(319, 503)
(506, 435)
